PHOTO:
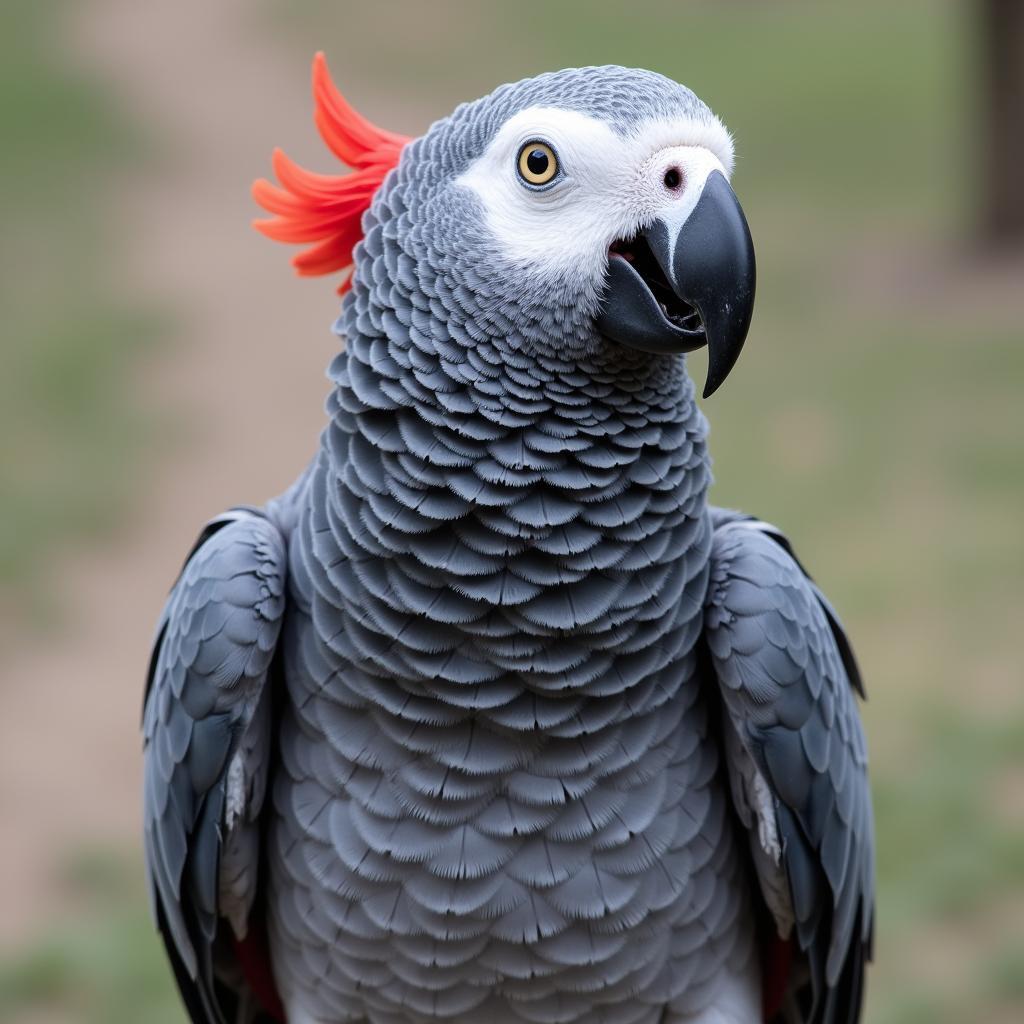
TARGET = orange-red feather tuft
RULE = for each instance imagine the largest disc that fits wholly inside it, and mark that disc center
(327, 209)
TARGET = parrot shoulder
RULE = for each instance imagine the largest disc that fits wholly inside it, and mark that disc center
(797, 762)
(206, 734)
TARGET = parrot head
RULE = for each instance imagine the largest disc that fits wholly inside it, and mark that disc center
(574, 210)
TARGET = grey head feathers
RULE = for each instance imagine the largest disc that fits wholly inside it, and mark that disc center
(443, 233)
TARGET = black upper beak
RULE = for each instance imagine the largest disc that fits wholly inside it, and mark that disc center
(707, 265)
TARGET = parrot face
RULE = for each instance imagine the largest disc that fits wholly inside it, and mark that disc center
(599, 199)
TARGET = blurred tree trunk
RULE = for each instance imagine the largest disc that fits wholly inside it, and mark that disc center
(1003, 72)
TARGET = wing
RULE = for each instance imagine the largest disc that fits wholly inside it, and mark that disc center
(797, 761)
(206, 727)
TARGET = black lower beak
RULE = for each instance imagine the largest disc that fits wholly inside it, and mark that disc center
(705, 266)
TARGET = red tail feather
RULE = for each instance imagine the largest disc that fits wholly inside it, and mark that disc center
(327, 209)
(776, 964)
(253, 955)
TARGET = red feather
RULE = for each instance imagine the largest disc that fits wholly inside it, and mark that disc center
(253, 955)
(776, 964)
(327, 209)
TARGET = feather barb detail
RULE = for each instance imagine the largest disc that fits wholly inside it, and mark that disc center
(327, 209)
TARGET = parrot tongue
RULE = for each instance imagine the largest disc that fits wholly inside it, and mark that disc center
(676, 312)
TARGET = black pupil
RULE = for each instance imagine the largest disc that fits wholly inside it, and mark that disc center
(537, 161)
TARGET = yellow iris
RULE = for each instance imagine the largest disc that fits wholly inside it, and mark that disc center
(537, 163)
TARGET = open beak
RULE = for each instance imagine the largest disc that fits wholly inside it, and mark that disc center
(675, 288)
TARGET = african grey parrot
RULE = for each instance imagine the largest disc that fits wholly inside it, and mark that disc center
(491, 717)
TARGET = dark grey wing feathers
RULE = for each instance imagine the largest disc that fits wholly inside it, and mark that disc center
(722, 517)
(787, 677)
(205, 694)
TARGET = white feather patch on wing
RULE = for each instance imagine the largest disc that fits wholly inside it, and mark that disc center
(767, 827)
(236, 791)
(755, 807)
(239, 862)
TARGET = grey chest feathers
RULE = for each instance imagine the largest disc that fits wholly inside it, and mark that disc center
(497, 796)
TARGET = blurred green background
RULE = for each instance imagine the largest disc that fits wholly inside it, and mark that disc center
(159, 362)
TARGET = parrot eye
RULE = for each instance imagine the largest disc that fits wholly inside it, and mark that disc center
(537, 163)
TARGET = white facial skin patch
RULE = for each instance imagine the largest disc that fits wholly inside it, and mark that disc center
(608, 186)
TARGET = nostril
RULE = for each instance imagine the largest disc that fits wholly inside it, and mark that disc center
(673, 178)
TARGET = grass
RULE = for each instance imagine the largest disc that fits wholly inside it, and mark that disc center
(876, 416)
(70, 338)
(102, 965)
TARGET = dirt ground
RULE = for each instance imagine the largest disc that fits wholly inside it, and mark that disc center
(243, 372)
